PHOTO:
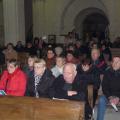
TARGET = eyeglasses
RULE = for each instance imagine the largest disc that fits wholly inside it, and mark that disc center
(38, 67)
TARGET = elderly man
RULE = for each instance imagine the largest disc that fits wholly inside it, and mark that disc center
(68, 85)
(111, 88)
(40, 82)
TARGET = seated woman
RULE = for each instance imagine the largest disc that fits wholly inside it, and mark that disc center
(70, 58)
(58, 68)
(13, 80)
(50, 58)
(40, 82)
(9, 52)
(29, 68)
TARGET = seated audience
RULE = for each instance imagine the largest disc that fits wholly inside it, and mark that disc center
(13, 80)
(9, 52)
(70, 58)
(19, 47)
(81, 51)
(58, 68)
(50, 59)
(40, 82)
(58, 51)
(90, 75)
(106, 53)
(30, 49)
(37, 47)
(29, 68)
(69, 86)
(99, 67)
(110, 87)
(97, 60)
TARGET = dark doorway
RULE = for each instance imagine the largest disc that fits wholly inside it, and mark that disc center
(96, 25)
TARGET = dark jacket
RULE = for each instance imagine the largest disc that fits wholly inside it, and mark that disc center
(92, 76)
(60, 89)
(100, 64)
(111, 83)
(43, 86)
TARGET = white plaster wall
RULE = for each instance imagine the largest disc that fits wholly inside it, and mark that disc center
(14, 23)
(1, 24)
(58, 16)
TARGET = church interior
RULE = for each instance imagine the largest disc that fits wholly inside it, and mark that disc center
(59, 58)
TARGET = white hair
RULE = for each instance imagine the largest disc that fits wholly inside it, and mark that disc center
(72, 65)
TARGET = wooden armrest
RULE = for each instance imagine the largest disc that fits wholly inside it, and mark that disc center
(90, 95)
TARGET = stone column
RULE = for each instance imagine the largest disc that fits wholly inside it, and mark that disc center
(14, 21)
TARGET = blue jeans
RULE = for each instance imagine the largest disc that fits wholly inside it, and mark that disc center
(101, 107)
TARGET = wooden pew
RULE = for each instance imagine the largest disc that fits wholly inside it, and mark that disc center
(26, 108)
(22, 58)
(115, 51)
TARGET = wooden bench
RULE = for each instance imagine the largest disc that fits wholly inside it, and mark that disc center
(115, 51)
(26, 108)
(22, 58)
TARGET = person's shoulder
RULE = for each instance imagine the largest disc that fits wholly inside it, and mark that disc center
(109, 71)
(48, 72)
(54, 68)
(5, 72)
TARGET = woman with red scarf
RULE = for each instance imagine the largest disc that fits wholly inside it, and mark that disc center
(13, 80)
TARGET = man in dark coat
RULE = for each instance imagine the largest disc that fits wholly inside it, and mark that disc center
(111, 88)
(69, 86)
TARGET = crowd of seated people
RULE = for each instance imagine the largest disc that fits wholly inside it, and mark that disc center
(59, 71)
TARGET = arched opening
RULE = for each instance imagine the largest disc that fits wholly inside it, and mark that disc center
(95, 25)
(91, 22)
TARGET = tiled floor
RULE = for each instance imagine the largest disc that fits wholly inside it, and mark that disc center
(110, 114)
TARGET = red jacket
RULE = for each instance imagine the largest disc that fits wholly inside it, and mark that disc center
(13, 84)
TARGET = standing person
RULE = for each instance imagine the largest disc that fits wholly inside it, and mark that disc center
(110, 87)
(40, 82)
(13, 80)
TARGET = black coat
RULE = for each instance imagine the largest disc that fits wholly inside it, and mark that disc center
(58, 89)
(92, 76)
(43, 86)
(111, 83)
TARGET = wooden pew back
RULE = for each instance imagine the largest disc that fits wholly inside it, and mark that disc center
(25, 108)
(22, 58)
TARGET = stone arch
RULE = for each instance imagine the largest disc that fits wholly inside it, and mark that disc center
(73, 8)
(78, 21)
